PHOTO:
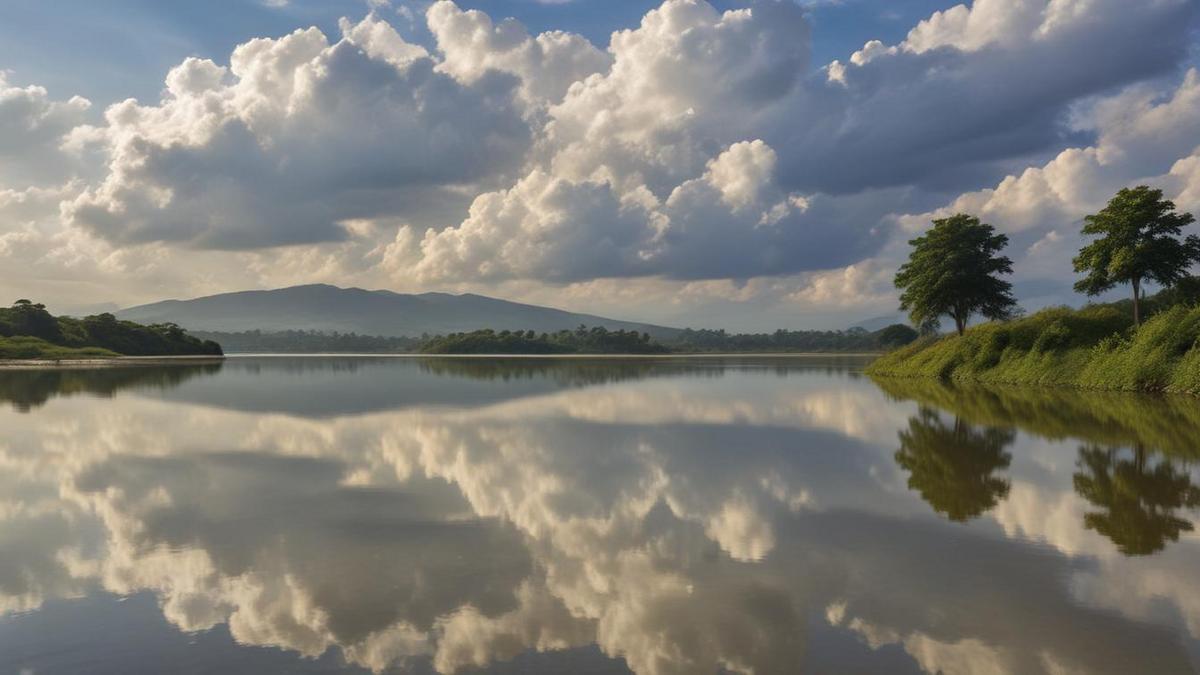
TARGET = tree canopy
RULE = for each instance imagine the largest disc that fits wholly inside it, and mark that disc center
(1138, 241)
(26, 321)
(954, 270)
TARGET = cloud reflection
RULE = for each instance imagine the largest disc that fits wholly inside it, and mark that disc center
(681, 527)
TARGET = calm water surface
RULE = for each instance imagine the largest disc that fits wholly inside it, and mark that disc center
(591, 516)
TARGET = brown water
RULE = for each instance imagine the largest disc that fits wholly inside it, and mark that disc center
(766, 515)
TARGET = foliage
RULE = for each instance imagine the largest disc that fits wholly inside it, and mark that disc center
(954, 270)
(582, 340)
(1096, 347)
(953, 466)
(897, 335)
(811, 341)
(309, 342)
(104, 334)
(23, 347)
(687, 341)
(1138, 241)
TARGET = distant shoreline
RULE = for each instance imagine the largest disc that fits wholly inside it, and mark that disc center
(144, 361)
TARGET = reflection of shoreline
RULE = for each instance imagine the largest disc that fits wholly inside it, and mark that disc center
(678, 525)
(119, 362)
(1170, 424)
(29, 388)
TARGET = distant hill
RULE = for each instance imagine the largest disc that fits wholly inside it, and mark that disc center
(321, 307)
(880, 322)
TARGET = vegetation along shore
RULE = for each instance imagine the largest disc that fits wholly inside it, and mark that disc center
(1140, 344)
(29, 332)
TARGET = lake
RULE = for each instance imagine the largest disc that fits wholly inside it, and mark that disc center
(659, 515)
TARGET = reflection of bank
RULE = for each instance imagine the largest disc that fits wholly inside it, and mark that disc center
(1134, 467)
(32, 388)
(1169, 424)
(717, 530)
(953, 465)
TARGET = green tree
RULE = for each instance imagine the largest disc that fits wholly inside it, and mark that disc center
(1139, 501)
(953, 466)
(954, 269)
(1139, 241)
(897, 335)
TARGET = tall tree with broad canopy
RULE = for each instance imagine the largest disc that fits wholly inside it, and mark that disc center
(1139, 241)
(954, 269)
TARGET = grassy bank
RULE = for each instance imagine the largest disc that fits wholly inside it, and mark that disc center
(1093, 348)
(24, 347)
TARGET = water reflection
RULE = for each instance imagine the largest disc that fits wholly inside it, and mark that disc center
(1139, 497)
(954, 466)
(29, 389)
(657, 523)
(1142, 486)
(1165, 423)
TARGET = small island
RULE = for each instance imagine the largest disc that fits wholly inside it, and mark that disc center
(1145, 343)
(28, 332)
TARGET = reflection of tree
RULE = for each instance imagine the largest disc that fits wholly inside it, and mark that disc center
(1138, 501)
(565, 371)
(952, 466)
(1167, 423)
(29, 389)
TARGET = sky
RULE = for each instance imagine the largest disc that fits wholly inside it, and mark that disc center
(743, 165)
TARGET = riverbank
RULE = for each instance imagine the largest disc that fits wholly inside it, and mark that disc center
(1091, 348)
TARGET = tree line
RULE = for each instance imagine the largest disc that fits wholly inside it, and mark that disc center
(309, 342)
(27, 319)
(584, 339)
(955, 268)
(851, 340)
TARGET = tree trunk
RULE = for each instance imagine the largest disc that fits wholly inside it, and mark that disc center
(1137, 309)
(959, 324)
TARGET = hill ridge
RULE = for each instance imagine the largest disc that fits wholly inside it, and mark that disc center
(327, 308)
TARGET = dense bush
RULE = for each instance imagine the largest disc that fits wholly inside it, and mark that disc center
(104, 334)
(25, 347)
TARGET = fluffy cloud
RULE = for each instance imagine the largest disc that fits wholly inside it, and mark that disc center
(700, 154)
(472, 45)
(673, 118)
(33, 129)
(295, 137)
(734, 220)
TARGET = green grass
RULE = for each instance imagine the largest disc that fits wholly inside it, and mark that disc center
(24, 347)
(1091, 348)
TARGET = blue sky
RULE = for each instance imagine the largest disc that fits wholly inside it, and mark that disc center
(707, 169)
(108, 51)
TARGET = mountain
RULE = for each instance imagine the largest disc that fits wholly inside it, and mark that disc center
(325, 308)
(880, 322)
